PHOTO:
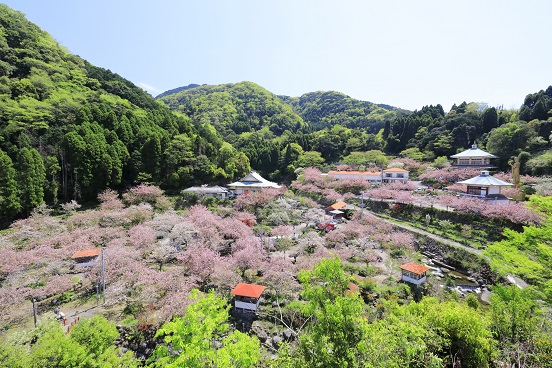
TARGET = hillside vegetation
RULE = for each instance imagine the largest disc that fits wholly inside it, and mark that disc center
(69, 129)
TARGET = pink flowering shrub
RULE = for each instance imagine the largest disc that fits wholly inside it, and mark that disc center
(109, 200)
(141, 235)
(256, 199)
(146, 193)
(449, 175)
(515, 212)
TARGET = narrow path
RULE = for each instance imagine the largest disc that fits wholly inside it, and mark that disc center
(430, 235)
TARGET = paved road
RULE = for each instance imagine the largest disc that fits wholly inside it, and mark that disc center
(430, 235)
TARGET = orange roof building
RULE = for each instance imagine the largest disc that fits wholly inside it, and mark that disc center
(336, 206)
(395, 174)
(247, 296)
(414, 273)
(86, 257)
(87, 253)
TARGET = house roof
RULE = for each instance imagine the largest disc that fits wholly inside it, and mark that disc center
(249, 290)
(253, 179)
(206, 190)
(416, 268)
(396, 169)
(485, 180)
(473, 152)
(337, 206)
(356, 173)
(85, 253)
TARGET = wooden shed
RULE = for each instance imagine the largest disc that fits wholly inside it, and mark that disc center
(247, 296)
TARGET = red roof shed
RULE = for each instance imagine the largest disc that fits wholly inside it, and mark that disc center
(248, 290)
(418, 269)
(86, 253)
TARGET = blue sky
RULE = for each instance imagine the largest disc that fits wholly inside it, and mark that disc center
(402, 53)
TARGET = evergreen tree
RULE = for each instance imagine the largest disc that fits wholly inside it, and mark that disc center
(32, 176)
(9, 201)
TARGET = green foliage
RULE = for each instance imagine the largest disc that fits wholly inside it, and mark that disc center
(509, 140)
(88, 345)
(324, 109)
(32, 175)
(335, 336)
(190, 338)
(520, 326)
(413, 153)
(310, 159)
(441, 162)
(368, 158)
(540, 165)
(9, 200)
(527, 254)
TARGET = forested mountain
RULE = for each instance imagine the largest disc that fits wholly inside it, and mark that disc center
(326, 109)
(69, 129)
(176, 90)
(280, 133)
(235, 108)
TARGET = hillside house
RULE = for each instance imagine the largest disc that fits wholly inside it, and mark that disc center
(376, 177)
(485, 187)
(206, 191)
(370, 176)
(395, 175)
(414, 273)
(473, 158)
(247, 296)
(252, 182)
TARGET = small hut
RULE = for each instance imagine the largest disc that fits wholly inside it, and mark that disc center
(414, 273)
(247, 296)
(86, 257)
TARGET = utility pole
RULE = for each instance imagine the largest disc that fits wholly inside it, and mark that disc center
(34, 311)
(103, 275)
(362, 205)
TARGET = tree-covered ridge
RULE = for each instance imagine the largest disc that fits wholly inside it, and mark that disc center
(235, 108)
(177, 89)
(76, 129)
(326, 109)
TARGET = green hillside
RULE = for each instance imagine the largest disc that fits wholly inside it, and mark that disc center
(69, 129)
(325, 109)
(235, 108)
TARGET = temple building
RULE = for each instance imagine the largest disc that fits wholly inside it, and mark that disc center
(485, 186)
(252, 182)
(473, 158)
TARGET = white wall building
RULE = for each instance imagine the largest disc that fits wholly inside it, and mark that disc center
(473, 158)
(252, 182)
(377, 177)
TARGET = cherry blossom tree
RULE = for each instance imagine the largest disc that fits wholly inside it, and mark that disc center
(146, 193)
(109, 200)
(279, 275)
(448, 175)
(199, 261)
(253, 200)
(141, 235)
(401, 239)
(282, 230)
